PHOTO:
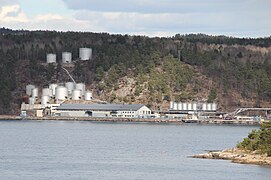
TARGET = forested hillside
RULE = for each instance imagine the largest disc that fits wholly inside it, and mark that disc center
(138, 69)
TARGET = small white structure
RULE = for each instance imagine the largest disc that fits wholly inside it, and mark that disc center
(184, 106)
(45, 100)
(29, 88)
(180, 106)
(209, 107)
(85, 53)
(88, 95)
(47, 92)
(51, 58)
(175, 106)
(171, 105)
(32, 100)
(189, 106)
(61, 93)
(35, 93)
(76, 94)
(70, 86)
(66, 57)
(81, 86)
(53, 87)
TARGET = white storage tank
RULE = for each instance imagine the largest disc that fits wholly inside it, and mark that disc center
(66, 57)
(53, 87)
(45, 100)
(29, 88)
(80, 86)
(189, 106)
(85, 53)
(51, 58)
(171, 105)
(32, 100)
(76, 94)
(61, 93)
(194, 107)
(180, 106)
(204, 106)
(184, 106)
(35, 93)
(214, 106)
(209, 107)
(70, 86)
(47, 92)
(88, 95)
(175, 106)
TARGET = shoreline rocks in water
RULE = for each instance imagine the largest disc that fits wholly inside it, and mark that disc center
(237, 156)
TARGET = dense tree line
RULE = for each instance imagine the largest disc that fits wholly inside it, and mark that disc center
(166, 64)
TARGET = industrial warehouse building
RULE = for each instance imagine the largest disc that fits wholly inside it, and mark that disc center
(103, 110)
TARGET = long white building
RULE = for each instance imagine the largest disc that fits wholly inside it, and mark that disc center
(103, 110)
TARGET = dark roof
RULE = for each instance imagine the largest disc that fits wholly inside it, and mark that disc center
(108, 107)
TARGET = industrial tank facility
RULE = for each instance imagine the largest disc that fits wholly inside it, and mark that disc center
(70, 86)
(66, 57)
(61, 93)
(76, 94)
(29, 88)
(88, 96)
(53, 87)
(85, 53)
(51, 58)
(81, 86)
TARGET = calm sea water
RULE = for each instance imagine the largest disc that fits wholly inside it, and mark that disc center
(87, 150)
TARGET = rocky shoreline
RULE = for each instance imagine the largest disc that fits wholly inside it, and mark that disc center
(237, 156)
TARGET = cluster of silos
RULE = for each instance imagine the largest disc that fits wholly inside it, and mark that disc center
(84, 54)
(69, 90)
(192, 106)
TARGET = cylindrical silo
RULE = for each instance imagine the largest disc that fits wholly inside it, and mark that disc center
(35, 93)
(88, 95)
(66, 57)
(189, 106)
(70, 87)
(194, 107)
(180, 106)
(76, 94)
(171, 105)
(85, 53)
(204, 106)
(214, 106)
(32, 100)
(45, 100)
(47, 92)
(51, 58)
(209, 107)
(175, 106)
(29, 88)
(185, 106)
(53, 87)
(80, 86)
(61, 93)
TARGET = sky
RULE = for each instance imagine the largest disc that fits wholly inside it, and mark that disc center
(238, 18)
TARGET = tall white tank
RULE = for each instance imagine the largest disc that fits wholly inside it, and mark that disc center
(209, 107)
(214, 106)
(184, 106)
(80, 86)
(51, 58)
(45, 100)
(180, 106)
(47, 92)
(88, 95)
(61, 93)
(35, 93)
(32, 100)
(85, 53)
(171, 105)
(53, 87)
(29, 88)
(204, 106)
(175, 106)
(70, 86)
(66, 57)
(194, 107)
(76, 94)
(189, 106)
